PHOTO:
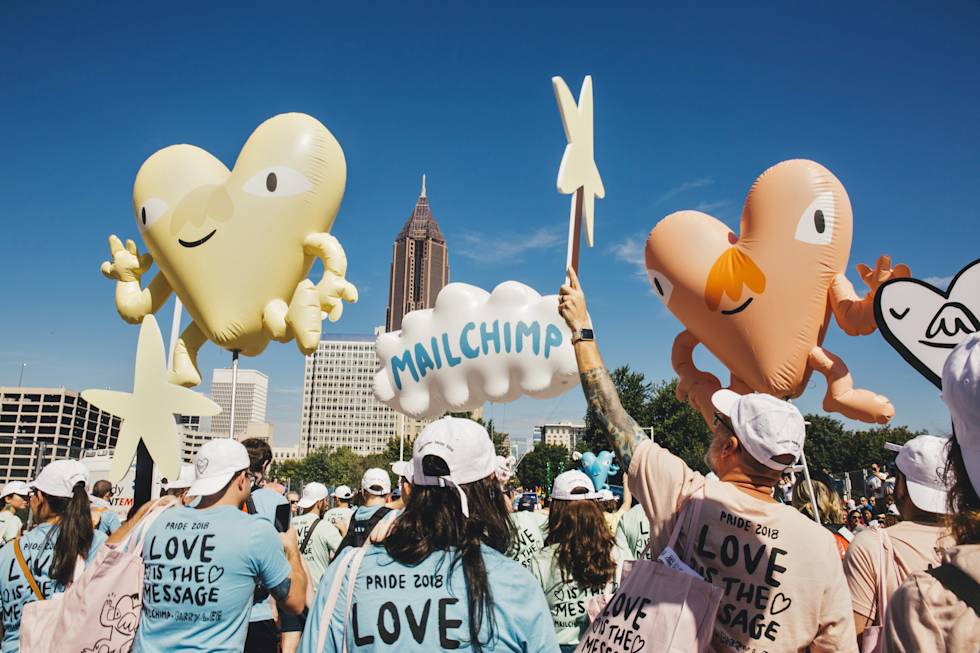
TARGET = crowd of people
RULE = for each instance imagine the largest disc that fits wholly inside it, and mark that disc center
(447, 560)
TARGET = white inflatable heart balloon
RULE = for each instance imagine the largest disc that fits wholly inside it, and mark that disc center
(924, 324)
(473, 347)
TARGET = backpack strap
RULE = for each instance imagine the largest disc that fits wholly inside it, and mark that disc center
(368, 525)
(309, 534)
(249, 506)
(26, 570)
(958, 582)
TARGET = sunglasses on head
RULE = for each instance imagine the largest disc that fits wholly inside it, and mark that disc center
(721, 419)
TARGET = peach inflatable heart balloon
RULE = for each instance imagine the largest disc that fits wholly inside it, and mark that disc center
(761, 300)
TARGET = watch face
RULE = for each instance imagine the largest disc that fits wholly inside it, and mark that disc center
(587, 334)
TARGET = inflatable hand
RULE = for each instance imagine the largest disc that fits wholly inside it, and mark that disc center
(236, 246)
(761, 301)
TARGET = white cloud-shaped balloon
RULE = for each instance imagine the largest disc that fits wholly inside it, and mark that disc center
(476, 346)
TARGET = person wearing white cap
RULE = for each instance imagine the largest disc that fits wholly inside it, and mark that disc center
(178, 487)
(912, 544)
(376, 490)
(439, 580)
(106, 518)
(204, 564)
(318, 538)
(14, 498)
(49, 552)
(780, 573)
(580, 559)
(403, 470)
(939, 609)
(341, 512)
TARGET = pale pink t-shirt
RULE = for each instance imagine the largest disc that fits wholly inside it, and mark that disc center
(918, 549)
(783, 584)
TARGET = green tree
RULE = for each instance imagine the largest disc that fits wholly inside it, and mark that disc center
(677, 427)
(339, 467)
(542, 464)
(832, 448)
(635, 393)
(498, 438)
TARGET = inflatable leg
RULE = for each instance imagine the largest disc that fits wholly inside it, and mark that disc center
(842, 397)
(185, 371)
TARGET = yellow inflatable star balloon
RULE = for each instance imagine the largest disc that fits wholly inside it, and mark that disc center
(236, 246)
(147, 412)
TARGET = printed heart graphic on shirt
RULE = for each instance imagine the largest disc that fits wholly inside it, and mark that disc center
(214, 573)
(924, 324)
(780, 603)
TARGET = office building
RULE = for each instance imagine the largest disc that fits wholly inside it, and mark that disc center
(282, 454)
(339, 406)
(566, 434)
(419, 264)
(38, 425)
(251, 395)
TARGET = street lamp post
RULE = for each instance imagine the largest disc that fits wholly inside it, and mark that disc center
(20, 381)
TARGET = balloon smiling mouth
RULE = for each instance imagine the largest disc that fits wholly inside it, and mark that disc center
(738, 309)
(195, 243)
(939, 345)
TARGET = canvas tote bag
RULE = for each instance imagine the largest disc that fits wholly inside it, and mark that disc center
(658, 609)
(99, 611)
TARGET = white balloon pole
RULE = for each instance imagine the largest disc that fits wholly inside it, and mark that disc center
(813, 495)
(234, 388)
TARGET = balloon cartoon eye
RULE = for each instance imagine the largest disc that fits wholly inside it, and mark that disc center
(662, 287)
(816, 225)
(150, 212)
(277, 181)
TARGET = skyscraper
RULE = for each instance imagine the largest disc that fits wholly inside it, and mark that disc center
(339, 406)
(419, 264)
(38, 425)
(251, 395)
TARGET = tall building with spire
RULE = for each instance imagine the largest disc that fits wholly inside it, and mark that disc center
(419, 264)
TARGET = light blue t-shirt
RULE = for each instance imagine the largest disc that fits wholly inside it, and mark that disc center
(266, 502)
(109, 522)
(423, 608)
(38, 549)
(201, 569)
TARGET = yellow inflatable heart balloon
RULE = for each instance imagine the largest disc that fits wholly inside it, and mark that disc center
(236, 246)
(761, 301)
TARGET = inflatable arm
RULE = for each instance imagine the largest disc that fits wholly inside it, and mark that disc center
(127, 267)
(854, 314)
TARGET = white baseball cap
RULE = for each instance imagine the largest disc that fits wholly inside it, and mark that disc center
(765, 426)
(342, 492)
(565, 486)
(185, 479)
(376, 481)
(505, 468)
(402, 468)
(466, 448)
(58, 479)
(312, 492)
(15, 487)
(961, 392)
(923, 461)
(216, 464)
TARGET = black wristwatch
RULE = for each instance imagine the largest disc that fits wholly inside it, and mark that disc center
(582, 334)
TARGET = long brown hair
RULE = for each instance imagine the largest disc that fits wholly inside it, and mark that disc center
(74, 532)
(962, 499)
(433, 521)
(585, 545)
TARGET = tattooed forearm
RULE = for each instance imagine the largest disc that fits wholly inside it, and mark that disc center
(624, 433)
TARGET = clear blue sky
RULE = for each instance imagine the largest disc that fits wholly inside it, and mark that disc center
(692, 103)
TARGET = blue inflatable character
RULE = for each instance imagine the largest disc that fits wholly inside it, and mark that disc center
(599, 468)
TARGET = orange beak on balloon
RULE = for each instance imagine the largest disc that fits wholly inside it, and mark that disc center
(732, 271)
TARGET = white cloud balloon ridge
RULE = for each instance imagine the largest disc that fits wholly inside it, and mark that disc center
(473, 347)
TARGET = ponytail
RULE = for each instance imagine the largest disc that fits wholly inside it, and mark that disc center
(75, 532)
